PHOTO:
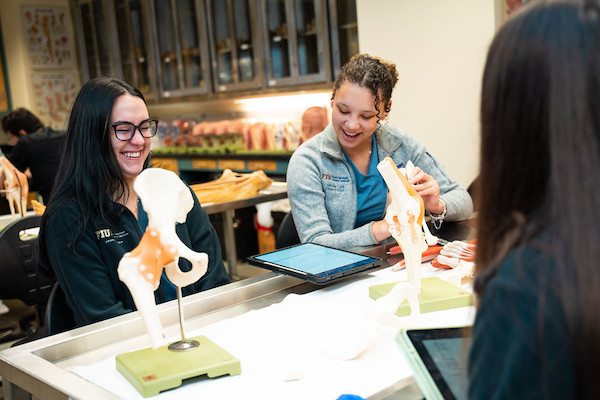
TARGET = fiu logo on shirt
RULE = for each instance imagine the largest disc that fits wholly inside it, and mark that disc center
(333, 183)
(103, 234)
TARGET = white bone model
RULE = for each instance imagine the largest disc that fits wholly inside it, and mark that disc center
(167, 200)
(405, 218)
(16, 187)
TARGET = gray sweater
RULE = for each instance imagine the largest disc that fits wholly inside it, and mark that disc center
(322, 188)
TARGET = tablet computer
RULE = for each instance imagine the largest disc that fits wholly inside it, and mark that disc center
(315, 263)
(438, 358)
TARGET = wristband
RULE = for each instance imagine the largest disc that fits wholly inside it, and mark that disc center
(439, 218)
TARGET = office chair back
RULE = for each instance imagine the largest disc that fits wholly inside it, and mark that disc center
(19, 268)
(287, 234)
(59, 317)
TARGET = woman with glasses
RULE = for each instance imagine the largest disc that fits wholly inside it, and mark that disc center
(94, 216)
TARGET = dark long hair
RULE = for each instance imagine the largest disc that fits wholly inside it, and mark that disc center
(373, 73)
(89, 174)
(540, 159)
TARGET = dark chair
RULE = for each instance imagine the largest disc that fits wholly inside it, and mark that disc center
(59, 317)
(287, 235)
(20, 274)
(472, 189)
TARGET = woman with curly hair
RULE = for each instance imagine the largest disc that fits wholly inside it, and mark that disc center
(337, 195)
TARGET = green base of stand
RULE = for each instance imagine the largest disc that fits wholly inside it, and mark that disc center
(436, 295)
(151, 371)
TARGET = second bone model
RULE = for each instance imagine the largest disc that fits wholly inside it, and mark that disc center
(405, 218)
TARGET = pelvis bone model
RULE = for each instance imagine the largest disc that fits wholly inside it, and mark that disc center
(167, 200)
(16, 186)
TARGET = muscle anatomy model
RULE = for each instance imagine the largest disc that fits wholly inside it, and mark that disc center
(15, 185)
(167, 200)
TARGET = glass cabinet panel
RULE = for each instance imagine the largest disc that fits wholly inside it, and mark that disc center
(190, 44)
(306, 37)
(344, 32)
(278, 41)
(182, 47)
(247, 35)
(166, 43)
(133, 45)
(96, 57)
(297, 41)
(235, 44)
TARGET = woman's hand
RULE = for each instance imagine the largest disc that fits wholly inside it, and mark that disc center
(428, 188)
(380, 230)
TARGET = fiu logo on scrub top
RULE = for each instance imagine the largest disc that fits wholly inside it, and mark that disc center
(103, 234)
(326, 177)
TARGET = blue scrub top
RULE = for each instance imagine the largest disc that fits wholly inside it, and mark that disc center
(371, 189)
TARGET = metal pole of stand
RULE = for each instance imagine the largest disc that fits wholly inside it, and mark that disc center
(180, 314)
(183, 344)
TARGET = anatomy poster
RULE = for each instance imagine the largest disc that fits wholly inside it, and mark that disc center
(48, 38)
(54, 95)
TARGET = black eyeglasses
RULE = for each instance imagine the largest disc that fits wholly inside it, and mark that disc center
(126, 130)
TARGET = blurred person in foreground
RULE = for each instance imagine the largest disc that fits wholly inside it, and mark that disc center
(537, 331)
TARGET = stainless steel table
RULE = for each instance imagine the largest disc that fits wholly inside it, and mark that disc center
(43, 368)
(277, 191)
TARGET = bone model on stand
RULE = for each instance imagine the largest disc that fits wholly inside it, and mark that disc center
(167, 200)
(405, 219)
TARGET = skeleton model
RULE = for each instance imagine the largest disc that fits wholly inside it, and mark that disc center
(405, 219)
(15, 185)
(167, 200)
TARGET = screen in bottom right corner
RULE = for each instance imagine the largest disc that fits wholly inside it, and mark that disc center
(447, 364)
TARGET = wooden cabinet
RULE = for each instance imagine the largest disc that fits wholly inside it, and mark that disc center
(182, 48)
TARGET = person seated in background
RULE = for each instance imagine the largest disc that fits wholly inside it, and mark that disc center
(37, 148)
(337, 196)
(536, 333)
(94, 216)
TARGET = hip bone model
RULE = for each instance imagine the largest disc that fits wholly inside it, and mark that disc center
(167, 200)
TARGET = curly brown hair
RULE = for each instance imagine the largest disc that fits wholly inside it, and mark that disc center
(373, 73)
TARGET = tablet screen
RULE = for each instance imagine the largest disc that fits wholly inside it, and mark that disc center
(315, 260)
(444, 352)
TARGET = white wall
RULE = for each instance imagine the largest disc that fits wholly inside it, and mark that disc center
(439, 49)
